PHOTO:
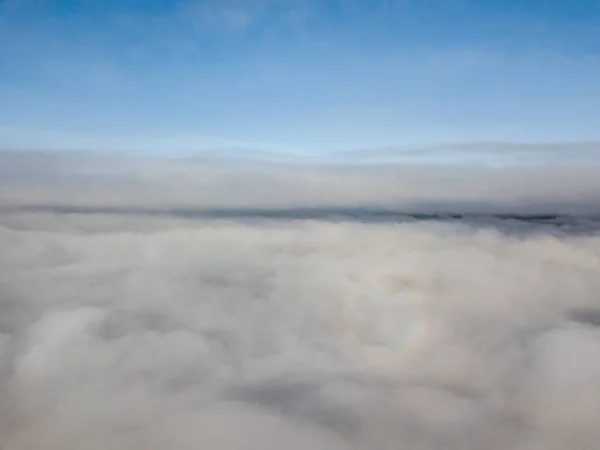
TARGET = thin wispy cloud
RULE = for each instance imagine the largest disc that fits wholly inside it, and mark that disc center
(497, 154)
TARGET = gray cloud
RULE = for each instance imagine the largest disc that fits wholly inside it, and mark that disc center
(212, 182)
(121, 329)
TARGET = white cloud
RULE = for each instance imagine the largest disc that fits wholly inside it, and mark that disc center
(132, 331)
(319, 335)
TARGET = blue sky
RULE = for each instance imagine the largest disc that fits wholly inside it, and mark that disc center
(296, 75)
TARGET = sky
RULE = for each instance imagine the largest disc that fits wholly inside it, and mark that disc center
(299, 76)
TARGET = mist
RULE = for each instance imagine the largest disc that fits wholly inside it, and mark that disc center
(237, 305)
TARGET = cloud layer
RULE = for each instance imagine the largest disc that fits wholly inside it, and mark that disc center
(63, 179)
(122, 330)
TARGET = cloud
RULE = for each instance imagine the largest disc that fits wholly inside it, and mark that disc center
(233, 15)
(492, 153)
(22, 138)
(126, 330)
(106, 181)
(219, 18)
